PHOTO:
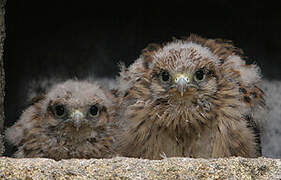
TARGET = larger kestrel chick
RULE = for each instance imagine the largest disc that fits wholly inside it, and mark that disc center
(71, 121)
(191, 98)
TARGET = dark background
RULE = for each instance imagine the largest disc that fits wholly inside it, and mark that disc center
(78, 39)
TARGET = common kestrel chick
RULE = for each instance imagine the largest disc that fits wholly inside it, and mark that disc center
(71, 121)
(194, 97)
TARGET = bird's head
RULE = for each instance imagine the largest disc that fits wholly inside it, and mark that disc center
(182, 73)
(77, 106)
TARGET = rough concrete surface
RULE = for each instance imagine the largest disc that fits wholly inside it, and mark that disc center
(129, 168)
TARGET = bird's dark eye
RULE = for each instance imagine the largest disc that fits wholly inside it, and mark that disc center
(199, 75)
(94, 111)
(59, 110)
(164, 76)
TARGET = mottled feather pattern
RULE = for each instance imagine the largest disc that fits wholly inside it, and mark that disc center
(207, 122)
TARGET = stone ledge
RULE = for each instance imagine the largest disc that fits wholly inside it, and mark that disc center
(129, 168)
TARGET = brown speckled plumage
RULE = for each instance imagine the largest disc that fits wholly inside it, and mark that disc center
(167, 110)
(71, 121)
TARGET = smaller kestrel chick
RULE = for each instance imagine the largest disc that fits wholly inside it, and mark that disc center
(71, 121)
